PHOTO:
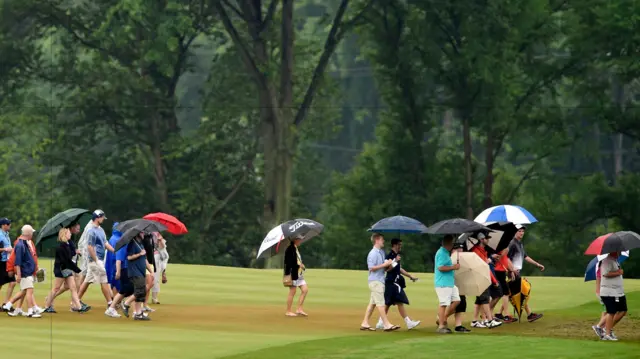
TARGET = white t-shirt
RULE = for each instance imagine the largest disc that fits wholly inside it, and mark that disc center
(610, 287)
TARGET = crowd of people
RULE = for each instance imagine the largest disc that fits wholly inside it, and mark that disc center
(130, 276)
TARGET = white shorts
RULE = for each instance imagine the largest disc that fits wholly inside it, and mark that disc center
(447, 295)
(96, 273)
(299, 282)
(26, 283)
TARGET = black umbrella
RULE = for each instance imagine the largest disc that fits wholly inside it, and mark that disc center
(142, 225)
(455, 226)
(61, 220)
(503, 233)
(398, 224)
(127, 237)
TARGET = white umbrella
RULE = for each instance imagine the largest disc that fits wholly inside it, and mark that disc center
(473, 277)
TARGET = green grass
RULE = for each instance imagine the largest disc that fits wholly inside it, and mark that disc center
(215, 312)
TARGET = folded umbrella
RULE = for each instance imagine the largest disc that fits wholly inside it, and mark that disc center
(142, 225)
(592, 267)
(297, 228)
(473, 277)
(398, 224)
(506, 213)
(49, 231)
(174, 226)
(455, 226)
(614, 242)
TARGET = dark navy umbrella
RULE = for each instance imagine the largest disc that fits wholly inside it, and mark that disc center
(398, 224)
(590, 273)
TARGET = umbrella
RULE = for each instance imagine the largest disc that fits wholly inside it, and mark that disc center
(304, 228)
(614, 242)
(592, 267)
(473, 277)
(506, 213)
(174, 226)
(398, 224)
(142, 225)
(503, 233)
(127, 236)
(455, 226)
(520, 291)
(63, 219)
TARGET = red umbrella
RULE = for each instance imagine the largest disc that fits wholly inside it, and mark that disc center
(613, 242)
(174, 226)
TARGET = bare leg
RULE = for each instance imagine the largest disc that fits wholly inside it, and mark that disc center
(57, 285)
(618, 317)
(292, 293)
(106, 291)
(609, 323)
(10, 288)
(442, 318)
(385, 319)
(451, 309)
(75, 299)
(603, 320)
(303, 294)
(402, 310)
(367, 315)
(83, 289)
(458, 317)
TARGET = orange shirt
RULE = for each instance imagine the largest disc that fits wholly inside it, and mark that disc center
(482, 253)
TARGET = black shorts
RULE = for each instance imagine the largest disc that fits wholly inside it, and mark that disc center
(4, 276)
(615, 304)
(126, 286)
(393, 294)
(139, 288)
(502, 281)
(495, 291)
(483, 298)
(462, 306)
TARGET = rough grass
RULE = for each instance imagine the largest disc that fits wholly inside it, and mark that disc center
(215, 312)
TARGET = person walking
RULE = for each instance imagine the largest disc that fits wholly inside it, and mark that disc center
(25, 268)
(110, 261)
(27, 239)
(161, 257)
(63, 270)
(502, 266)
(394, 285)
(5, 252)
(461, 308)
(377, 264)
(517, 255)
(599, 328)
(482, 301)
(137, 264)
(612, 294)
(294, 267)
(96, 245)
(448, 294)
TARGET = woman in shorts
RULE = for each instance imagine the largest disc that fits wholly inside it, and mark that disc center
(63, 270)
(293, 266)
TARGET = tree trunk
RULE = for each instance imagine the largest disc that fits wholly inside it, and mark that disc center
(468, 176)
(158, 163)
(488, 179)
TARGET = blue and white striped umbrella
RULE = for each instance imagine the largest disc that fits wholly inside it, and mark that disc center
(506, 213)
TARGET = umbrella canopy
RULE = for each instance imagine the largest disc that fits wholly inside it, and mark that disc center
(174, 226)
(142, 225)
(520, 290)
(503, 233)
(126, 238)
(455, 226)
(592, 267)
(614, 242)
(303, 228)
(61, 220)
(473, 277)
(398, 224)
(506, 213)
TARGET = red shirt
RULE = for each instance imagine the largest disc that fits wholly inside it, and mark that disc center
(482, 253)
(503, 263)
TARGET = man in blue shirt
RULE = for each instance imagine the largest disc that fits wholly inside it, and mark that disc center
(96, 244)
(120, 278)
(137, 267)
(25, 267)
(5, 252)
(447, 292)
(377, 265)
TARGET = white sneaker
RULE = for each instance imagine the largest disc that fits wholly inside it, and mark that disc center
(380, 325)
(477, 324)
(608, 337)
(16, 313)
(33, 314)
(112, 313)
(147, 309)
(412, 324)
(493, 324)
(38, 310)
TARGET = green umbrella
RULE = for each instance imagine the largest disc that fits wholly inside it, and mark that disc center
(49, 232)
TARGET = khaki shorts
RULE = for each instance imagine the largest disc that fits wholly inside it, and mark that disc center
(26, 283)
(96, 273)
(377, 293)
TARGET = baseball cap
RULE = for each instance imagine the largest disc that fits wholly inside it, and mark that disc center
(27, 229)
(97, 214)
(520, 226)
(4, 221)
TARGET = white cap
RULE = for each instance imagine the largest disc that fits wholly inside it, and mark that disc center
(520, 226)
(27, 229)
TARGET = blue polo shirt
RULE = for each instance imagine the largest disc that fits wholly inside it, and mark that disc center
(121, 255)
(24, 259)
(96, 239)
(6, 243)
(137, 267)
(443, 279)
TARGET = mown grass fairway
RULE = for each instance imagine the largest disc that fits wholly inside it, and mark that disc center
(215, 312)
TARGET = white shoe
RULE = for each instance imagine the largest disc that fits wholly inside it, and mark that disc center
(147, 309)
(478, 324)
(8, 307)
(380, 325)
(608, 337)
(38, 310)
(33, 314)
(412, 324)
(493, 324)
(16, 313)
(112, 313)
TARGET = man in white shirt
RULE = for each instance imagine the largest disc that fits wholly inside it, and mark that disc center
(612, 293)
